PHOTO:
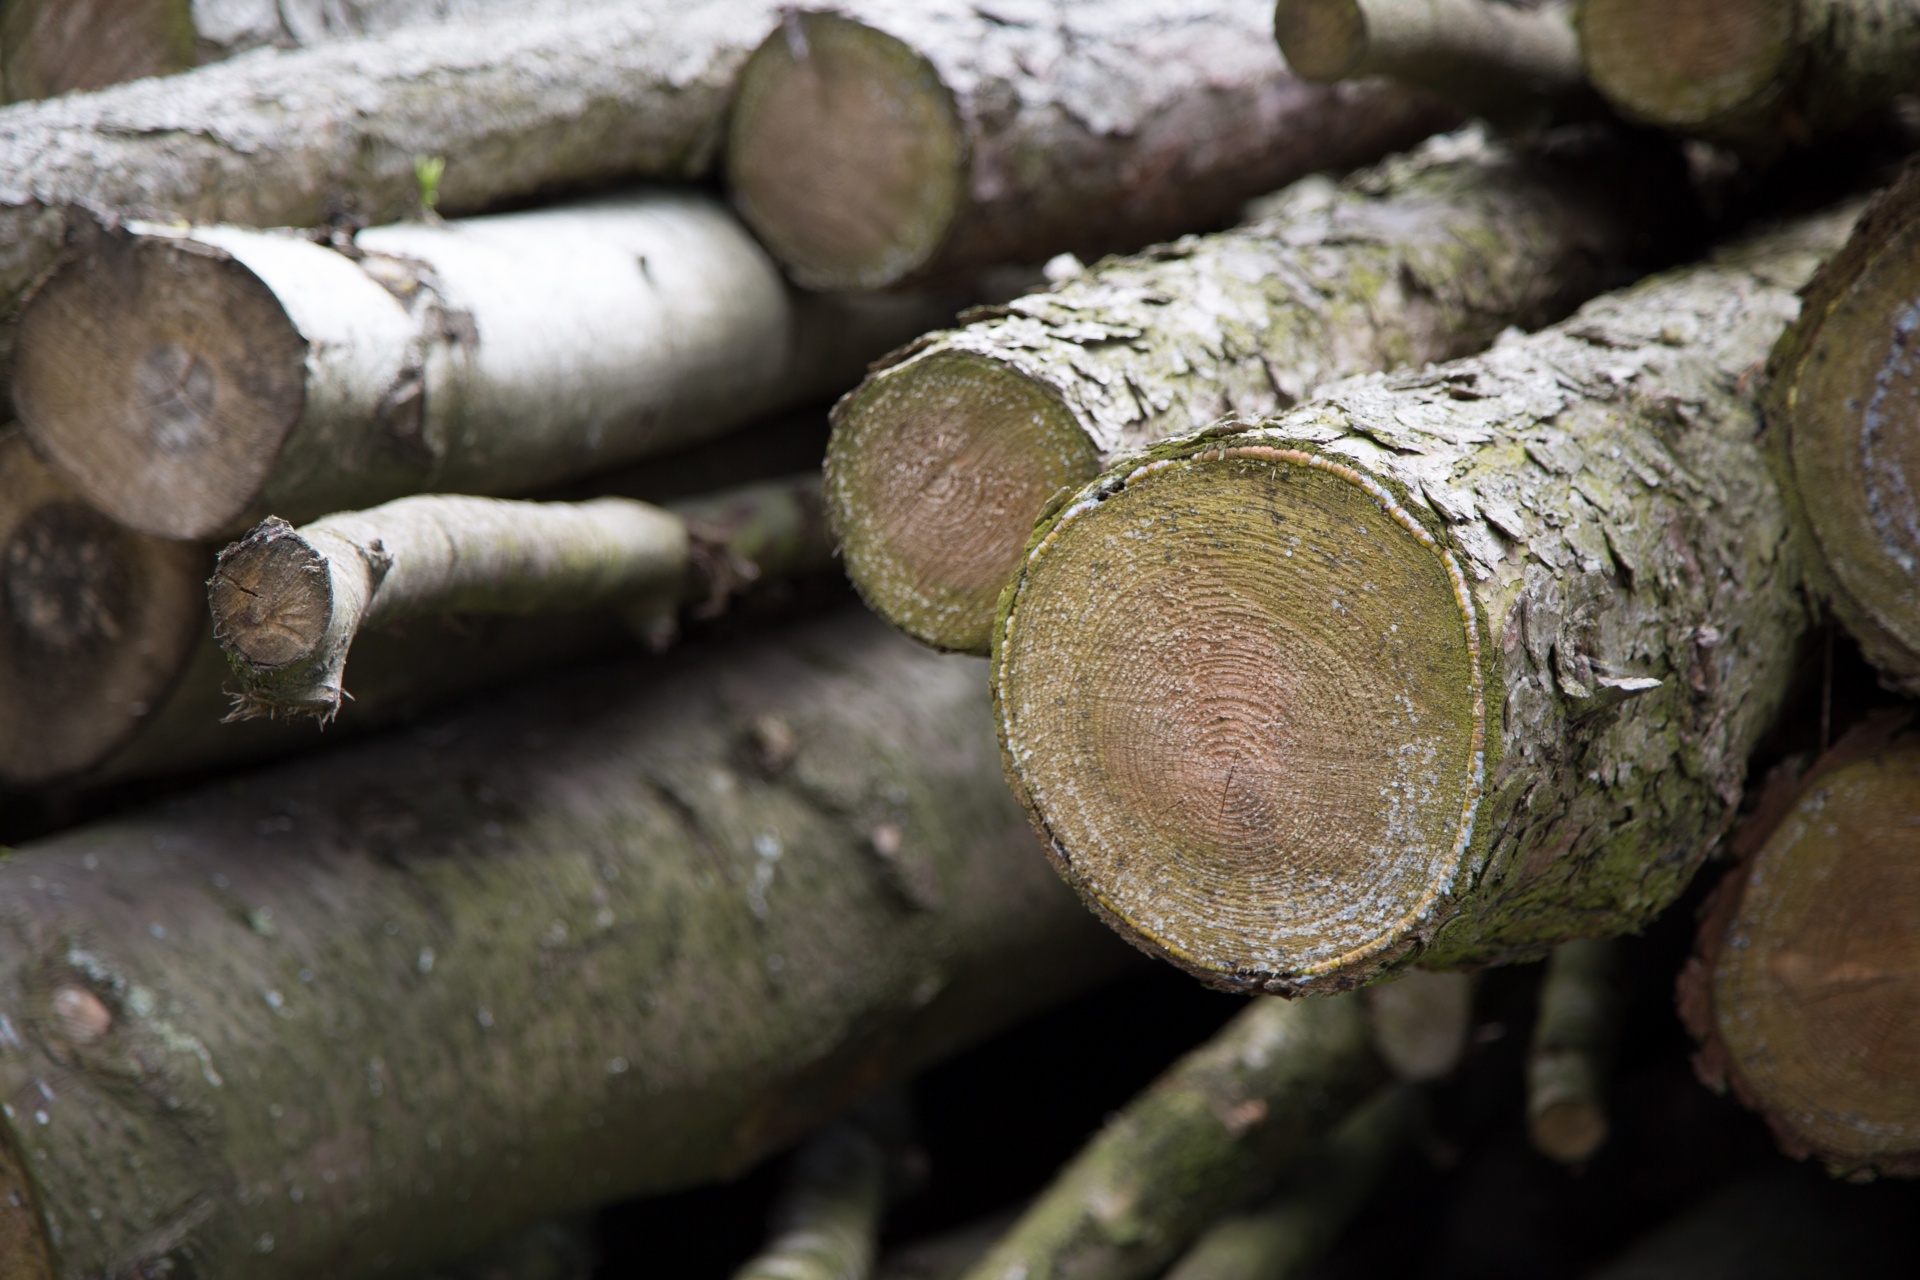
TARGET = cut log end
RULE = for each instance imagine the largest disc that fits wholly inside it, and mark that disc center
(935, 475)
(1323, 40)
(95, 622)
(1817, 973)
(161, 378)
(1569, 1129)
(846, 153)
(272, 598)
(1256, 744)
(1685, 63)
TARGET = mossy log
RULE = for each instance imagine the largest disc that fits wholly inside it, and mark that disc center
(944, 457)
(1759, 74)
(1843, 420)
(1211, 1134)
(1513, 63)
(1804, 980)
(518, 106)
(586, 943)
(191, 382)
(1285, 1238)
(1574, 1036)
(1444, 667)
(882, 140)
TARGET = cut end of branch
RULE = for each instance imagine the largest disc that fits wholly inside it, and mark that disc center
(936, 473)
(1685, 63)
(846, 153)
(1568, 1129)
(1323, 40)
(161, 378)
(272, 598)
(1238, 690)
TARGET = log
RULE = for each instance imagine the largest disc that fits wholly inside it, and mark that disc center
(192, 382)
(885, 140)
(562, 1249)
(1802, 986)
(371, 1012)
(1285, 1238)
(1212, 1133)
(1420, 1023)
(1574, 1037)
(826, 1224)
(942, 460)
(1758, 74)
(1514, 63)
(1843, 400)
(521, 106)
(1443, 668)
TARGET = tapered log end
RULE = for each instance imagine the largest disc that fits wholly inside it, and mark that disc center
(937, 470)
(1323, 40)
(1815, 971)
(1240, 689)
(846, 153)
(161, 378)
(1685, 63)
(95, 622)
(1570, 1130)
(272, 601)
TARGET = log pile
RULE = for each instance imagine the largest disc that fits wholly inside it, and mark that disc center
(1427, 479)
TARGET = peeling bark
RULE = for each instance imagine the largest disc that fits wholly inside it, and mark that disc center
(1442, 668)
(1573, 1044)
(584, 944)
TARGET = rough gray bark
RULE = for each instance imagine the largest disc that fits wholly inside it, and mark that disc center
(879, 140)
(1511, 62)
(1212, 1133)
(518, 105)
(1574, 1038)
(486, 355)
(942, 460)
(1510, 625)
(584, 944)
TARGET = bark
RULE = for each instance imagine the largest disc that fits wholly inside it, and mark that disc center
(371, 1012)
(192, 382)
(1283, 1239)
(883, 140)
(1801, 988)
(1441, 668)
(1420, 1023)
(942, 460)
(556, 1250)
(826, 1225)
(519, 105)
(1514, 63)
(1574, 1037)
(1210, 1135)
(1756, 75)
(1844, 395)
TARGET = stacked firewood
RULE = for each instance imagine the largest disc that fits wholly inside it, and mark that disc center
(1399, 543)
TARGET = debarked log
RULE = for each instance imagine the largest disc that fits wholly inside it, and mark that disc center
(1445, 667)
(586, 943)
(191, 382)
(881, 140)
(944, 457)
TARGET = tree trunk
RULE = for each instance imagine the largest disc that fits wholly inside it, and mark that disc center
(1842, 407)
(1803, 982)
(883, 140)
(1208, 1136)
(1515, 63)
(520, 106)
(1284, 1239)
(585, 944)
(1573, 1044)
(489, 355)
(1444, 667)
(942, 460)
(1756, 75)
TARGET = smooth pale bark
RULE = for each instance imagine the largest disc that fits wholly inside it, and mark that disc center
(1208, 1136)
(883, 140)
(518, 106)
(1509, 62)
(944, 457)
(1441, 668)
(1843, 419)
(1759, 74)
(373, 1011)
(1574, 1037)
(1283, 1239)
(190, 382)
(1420, 1023)
(1803, 983)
